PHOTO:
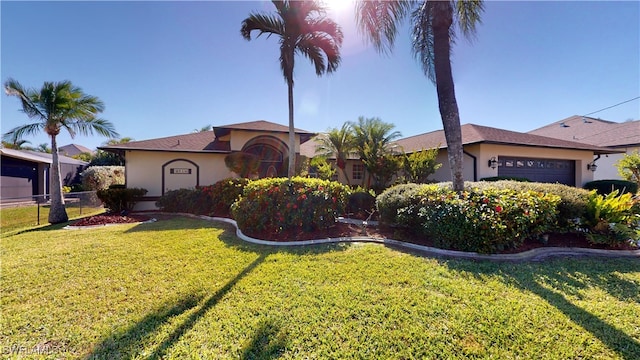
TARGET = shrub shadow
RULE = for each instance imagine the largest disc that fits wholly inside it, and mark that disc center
(128, 343)
(268, 342)
(556, 280)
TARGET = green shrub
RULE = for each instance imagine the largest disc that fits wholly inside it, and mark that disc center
(361, 203)
(610, 219)
(101, 177)
(224, 193)
(192, 200)
(275, 205)
(573, 201)
(397, 205)
(117, 198)
(500, 178)
(487, 220)
(604, 187)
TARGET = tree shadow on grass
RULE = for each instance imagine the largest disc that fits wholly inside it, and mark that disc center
(268, 342)
(554, 281)
(129, 343)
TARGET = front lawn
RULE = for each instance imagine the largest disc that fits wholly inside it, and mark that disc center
(188, 288)
(13, 219)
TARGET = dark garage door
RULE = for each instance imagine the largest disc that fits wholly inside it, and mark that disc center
(539, 170)
(19, 178)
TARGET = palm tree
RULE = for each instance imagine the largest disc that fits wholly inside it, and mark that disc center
(16, 143)
(302, 28)
(433, 32)
(373, 139)
(337, 143)
(57, 106)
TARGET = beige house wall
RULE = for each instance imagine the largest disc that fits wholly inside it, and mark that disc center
(606, 165)
(484, 152)
(240, 138)
(144, 169)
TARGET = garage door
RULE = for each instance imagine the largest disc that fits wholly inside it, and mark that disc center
(19, 178)
(539, 170)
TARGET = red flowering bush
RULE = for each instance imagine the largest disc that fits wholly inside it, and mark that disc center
(484, 221)
(224, 193)
(275, 205)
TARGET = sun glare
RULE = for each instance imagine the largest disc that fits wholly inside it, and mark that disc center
(338, 6)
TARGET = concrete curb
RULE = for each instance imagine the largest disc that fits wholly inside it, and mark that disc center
(529, 255)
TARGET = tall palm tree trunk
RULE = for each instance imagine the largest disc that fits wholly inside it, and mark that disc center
(292, 136)
(443, 19)
(57, 212)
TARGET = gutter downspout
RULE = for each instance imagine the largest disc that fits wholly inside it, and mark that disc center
(475, 165)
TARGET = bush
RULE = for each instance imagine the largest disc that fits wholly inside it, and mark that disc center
(361, 204)
(275, 205)
(485, 221)
(604, 187)
(224, 193)
(193, 201)
(573, 201)
(118, 198)
(610, 219)
(398, 205)
(101, 177)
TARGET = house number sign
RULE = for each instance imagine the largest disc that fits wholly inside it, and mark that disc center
(185, 171)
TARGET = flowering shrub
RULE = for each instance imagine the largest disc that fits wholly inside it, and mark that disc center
(101, 177)
(224, 193)
(279, 204)
(611, 219)
(486, 221)
(398, 205)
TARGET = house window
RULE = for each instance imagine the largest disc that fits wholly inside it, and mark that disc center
(357, 172)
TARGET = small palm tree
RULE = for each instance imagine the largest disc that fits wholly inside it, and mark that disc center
(302, 28)
(44, 147)
(373, 139)
(433, 33)
(337, 143)
(13, 142)
(57, 106)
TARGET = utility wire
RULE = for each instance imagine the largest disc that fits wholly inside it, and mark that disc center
(624, 102)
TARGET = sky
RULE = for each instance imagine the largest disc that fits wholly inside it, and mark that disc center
(169, 68)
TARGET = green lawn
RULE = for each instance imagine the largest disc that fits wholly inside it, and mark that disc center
(187, 288)
(14, 219)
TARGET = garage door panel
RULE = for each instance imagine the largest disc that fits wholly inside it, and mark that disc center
(538, 170)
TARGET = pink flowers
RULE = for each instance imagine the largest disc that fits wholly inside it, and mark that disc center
(498, 208)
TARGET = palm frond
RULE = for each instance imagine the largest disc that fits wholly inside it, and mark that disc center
(468, 15)
(97, 125)
(264, 24)
(24, 130)
(379, 20)
(422, 38)
(29, 107)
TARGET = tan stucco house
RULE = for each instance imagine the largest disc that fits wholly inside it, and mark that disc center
(186, 161)
(624, 137)
(190, 160)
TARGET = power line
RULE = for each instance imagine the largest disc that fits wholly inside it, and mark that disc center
(609, 107)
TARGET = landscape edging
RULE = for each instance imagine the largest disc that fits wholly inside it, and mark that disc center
(529, 255)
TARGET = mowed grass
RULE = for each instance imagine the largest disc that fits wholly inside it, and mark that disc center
(13, 219)
(186, 288)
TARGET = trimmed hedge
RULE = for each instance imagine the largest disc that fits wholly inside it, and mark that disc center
(361, 203)
(224, 193)
(101, 177)
(604, 187)
(397, 205)
(117, 198)
(193, 201)
(500, 178)
(275, 205)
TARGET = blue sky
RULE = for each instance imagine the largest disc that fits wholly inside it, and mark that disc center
(167, 68)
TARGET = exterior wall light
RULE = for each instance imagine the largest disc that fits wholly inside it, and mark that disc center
(493, 162)
(592, 166)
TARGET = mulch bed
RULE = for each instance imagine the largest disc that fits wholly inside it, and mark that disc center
(350, 230)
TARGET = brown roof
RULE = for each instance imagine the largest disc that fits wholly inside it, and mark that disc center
(475, 134)
(593, 131)
(73, 149)
(207, 141)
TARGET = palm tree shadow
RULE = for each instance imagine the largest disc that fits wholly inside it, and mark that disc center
(531, 277)
(127, 344)
(268, 342)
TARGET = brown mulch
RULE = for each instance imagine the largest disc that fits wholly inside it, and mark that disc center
(350, 230)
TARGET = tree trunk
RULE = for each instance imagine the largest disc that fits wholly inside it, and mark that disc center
(443, 19)
(342, 165)
(57, 212)
(292, 135)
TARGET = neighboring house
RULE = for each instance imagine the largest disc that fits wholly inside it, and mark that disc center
(186, 161)
(624, 137)
(26, 173)
(73, 150)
